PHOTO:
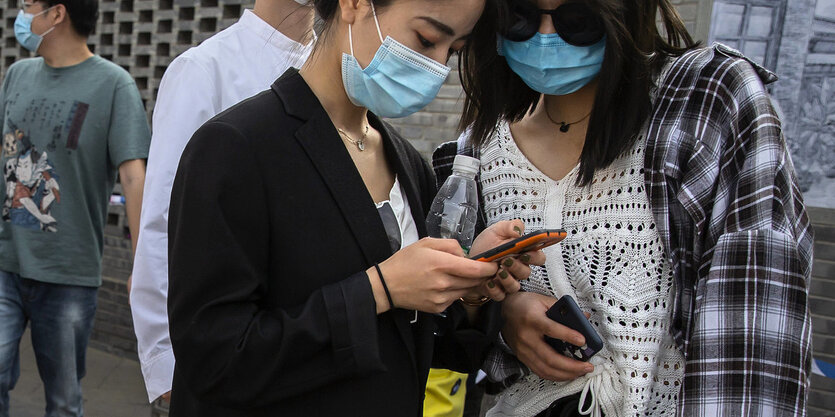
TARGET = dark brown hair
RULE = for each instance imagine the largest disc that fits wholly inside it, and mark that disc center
(635, 54)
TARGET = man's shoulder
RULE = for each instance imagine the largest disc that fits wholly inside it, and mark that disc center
(105, 69)
(25, 64)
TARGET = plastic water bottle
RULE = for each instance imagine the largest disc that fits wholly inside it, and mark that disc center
(454, 210)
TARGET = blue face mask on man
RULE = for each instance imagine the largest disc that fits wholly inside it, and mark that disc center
(397, 82)
(549, 65)
(23, 30)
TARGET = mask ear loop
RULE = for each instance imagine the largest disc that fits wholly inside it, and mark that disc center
(350, 40)
(36, 15)
(376, 21)
(47, 32)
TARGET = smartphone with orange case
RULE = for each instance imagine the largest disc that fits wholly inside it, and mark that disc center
(530, 242)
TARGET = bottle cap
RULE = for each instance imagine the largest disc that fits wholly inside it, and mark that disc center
(466, 164)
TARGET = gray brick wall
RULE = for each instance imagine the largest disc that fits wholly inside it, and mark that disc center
(113, 326)
(822, 305)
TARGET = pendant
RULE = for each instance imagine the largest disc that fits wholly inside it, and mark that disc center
(361, 145)
(564, 127)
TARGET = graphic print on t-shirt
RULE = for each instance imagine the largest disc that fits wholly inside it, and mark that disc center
(31, 184)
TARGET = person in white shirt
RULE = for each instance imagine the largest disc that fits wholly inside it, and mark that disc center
(227, 68)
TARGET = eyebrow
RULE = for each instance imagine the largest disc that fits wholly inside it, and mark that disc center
(439, 25)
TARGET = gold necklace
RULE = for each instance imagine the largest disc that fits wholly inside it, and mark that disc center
(563, 125)
(360, 142)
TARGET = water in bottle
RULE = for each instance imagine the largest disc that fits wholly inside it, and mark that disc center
(454, 210)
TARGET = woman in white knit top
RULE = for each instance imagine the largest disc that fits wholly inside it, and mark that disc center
(688, 244)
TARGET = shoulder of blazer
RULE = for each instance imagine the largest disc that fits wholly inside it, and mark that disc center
(260, 115)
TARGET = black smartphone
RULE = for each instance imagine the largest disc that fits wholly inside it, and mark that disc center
(530, 242)
(566, 312)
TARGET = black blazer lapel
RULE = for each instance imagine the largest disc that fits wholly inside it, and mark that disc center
(321, 142)
(406, 173)
(323, 146)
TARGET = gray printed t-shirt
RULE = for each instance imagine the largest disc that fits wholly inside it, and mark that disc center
(65, 131)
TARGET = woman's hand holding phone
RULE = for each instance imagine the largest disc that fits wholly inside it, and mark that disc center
(526, 323)
(512, 269)
(428, 276)
(431, 274)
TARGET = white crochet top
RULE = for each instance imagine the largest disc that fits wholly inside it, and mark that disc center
(612, 263)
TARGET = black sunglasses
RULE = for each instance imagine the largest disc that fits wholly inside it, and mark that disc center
(575, 22)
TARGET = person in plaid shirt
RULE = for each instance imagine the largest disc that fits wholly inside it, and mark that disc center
(576, 105)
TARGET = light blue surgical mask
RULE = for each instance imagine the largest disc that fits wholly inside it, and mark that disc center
(23, 30)
(397, 82)
(549, 65)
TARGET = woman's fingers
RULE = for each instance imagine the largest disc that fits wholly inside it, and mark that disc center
(507, 281)
(524, 330)
(536, 257)
(553, 329)
(497, 234)
(551, 364)
(510, 229)
(450, 246)
(515, 268)
(554, 366)
(495, 290)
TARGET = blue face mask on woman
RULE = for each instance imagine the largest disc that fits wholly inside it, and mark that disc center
(397, 82)
(549, 65)
(23, 30)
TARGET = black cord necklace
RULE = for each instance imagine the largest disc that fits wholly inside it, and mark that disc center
(563, 125)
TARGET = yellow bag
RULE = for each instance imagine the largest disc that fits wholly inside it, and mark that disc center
(445, 393)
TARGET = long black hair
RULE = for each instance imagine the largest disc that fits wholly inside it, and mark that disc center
(635, 54)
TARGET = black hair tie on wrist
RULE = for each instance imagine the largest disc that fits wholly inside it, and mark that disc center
(385, 287)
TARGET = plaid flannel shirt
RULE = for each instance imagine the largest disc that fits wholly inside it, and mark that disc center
(725, 199)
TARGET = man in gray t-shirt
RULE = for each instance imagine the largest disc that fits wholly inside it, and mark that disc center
(70, 120)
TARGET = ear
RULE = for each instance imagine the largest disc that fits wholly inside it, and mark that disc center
(59, 13)
(349, 10)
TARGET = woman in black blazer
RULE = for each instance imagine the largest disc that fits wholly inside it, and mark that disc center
(276, 306)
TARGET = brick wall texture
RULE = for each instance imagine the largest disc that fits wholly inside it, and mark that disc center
(822, 304)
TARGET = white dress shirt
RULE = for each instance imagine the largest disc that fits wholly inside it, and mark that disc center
(232, 65)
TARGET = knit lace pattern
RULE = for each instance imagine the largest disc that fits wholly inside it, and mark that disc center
(612, 263)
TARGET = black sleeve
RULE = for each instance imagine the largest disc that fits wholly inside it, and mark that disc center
(233, 348)
(462, 346)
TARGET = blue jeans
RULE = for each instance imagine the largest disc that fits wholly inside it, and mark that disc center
(61, 318)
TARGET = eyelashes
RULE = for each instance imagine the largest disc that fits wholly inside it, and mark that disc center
(424, 42)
